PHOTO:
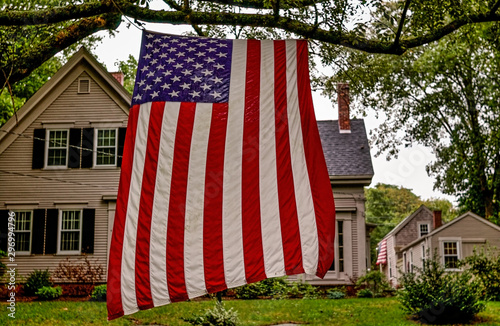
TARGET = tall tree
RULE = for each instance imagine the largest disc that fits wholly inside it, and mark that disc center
(341, 22)
(444, 96)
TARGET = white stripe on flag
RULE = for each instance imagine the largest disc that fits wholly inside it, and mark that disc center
(234, 268)
(305, 205)
(193, 230)
(159, 220)
(130, 236)
(271, 227)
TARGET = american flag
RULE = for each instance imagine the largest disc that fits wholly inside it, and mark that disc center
(223, 179)
(382, 252)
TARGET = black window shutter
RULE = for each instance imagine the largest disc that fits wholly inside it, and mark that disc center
(38, 149)
(4, 225)
(121, 142)
(75, 135)
(88, 231)
(87, 147)
(38, 230)
(51, 233)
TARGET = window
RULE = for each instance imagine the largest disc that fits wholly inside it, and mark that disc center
(106, 142)
(450, 254)
(423, 252)
(411, 261)
(23, 231)
(57, 147)
(424, 229)
(340, 247)
(405, 263)
(390, 268)
(70, 231)
(84, 86)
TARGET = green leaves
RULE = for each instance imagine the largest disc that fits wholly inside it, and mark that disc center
(444, 96)
(436, 297)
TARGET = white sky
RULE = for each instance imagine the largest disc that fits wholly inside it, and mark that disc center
(407, 171)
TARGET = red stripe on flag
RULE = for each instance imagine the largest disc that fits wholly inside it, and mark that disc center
(251, 224)
(142, 280)
(114, 296)
(324, 207)
(292, 248)
(177, 205)
(212, 215)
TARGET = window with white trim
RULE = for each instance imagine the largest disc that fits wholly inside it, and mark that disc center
(423, 229)
(70, 230)
(106, 147)
(57, 147)
(23, 226)
(423, 252)
(450, 254)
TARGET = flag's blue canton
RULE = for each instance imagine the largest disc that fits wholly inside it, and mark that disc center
(183, 69)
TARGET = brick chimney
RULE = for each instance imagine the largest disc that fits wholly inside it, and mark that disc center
(119, 76)
(343, 100)
(436, 219)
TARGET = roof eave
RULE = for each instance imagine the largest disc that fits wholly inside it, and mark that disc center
(364, 180)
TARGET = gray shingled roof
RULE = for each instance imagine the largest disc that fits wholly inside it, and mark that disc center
(347, 153)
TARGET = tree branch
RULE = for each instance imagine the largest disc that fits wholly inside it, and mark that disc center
(304, 29)
(175, 6)
(34, 57)
(401, 23)
(55, 14)
(259, 4)
(495, 8)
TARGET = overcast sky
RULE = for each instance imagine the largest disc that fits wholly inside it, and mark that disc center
(407, 171)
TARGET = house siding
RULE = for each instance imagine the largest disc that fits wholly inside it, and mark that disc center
(27, 188)
(410, 231)
(471, 233)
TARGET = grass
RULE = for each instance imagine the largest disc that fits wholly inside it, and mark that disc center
(372, 312)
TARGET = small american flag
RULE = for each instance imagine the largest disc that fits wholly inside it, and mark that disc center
(223, 179)
(382, 252)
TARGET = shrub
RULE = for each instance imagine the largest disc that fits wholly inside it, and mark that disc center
(335, 294)
(277, 288)
(272, 287)
(99, 293)
(36, 280)
(302, 290)
(49, 293)
(219, 316)
(485, 266)
(365, 293)
(375, 281)
(85, 273)
(436, 297)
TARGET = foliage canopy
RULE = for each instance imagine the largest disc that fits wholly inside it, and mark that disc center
(55, 25)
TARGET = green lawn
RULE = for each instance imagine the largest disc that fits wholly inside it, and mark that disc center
(370, 312)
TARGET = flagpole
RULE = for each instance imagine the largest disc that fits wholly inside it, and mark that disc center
(219, 296)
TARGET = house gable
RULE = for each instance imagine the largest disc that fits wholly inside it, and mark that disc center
(410, 232)
(80, 64)
(407, 230)
(48, 195)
